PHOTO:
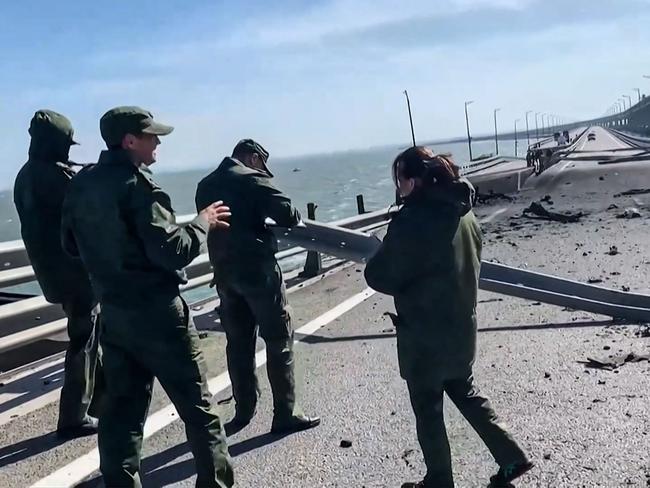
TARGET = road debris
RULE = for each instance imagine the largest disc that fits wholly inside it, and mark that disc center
(613, 251)
(643, 332)
(345, 443)
(538, 210)
(629, 213)
(484, 198)
(613, 206)
(405, 456)
(547, 199)
(225, 400)
(615, 361)
(635, 191)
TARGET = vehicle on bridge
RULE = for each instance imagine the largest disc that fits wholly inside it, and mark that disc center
(591, 136)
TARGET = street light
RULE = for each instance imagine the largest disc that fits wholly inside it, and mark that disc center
(527, 131)
(629, 100)
(516, 141)
(622, 100)
(542, 120)
(638, 92)
(536, 128)
(469, 138)
(496, 133)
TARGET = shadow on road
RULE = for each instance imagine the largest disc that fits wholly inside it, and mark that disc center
(316, 339)
(27, 448)
(155, 472)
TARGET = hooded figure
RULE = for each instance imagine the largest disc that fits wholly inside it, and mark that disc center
(39, 190)
(429, 262)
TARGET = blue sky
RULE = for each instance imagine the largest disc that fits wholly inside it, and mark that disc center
(308, 77)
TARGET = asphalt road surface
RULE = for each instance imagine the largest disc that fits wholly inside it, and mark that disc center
(582, 427)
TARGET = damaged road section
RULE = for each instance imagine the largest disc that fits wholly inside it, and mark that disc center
(613, 362)
(541, 213)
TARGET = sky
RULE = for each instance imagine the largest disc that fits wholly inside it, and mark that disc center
(305, 77)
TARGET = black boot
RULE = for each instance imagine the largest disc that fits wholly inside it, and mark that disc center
(509, 473)
(87, 427)
(295, 423)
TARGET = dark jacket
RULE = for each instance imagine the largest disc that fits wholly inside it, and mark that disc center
(39, 191)
(122, 225)
(248, 246)
(429, 262)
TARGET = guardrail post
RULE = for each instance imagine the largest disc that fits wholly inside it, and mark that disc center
(361, 208)
(313, 263)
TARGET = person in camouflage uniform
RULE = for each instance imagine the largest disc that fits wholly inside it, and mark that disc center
(429, 262)
(250, 284)
(122, 225)
(39, 191)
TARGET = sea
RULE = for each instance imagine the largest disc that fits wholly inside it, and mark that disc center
(331, 181)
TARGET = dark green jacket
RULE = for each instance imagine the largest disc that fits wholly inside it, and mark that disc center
(429, 262)
(39, 191)
(248, 246)
(122, 225)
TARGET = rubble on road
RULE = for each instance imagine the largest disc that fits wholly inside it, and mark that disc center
(539, 211)
(629, 213)
(635, 191)
(615, 361)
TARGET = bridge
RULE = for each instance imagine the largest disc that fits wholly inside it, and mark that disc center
(554, 309)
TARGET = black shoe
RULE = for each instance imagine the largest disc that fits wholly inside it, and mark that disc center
(87, 427)
(237, 423)
(295, 423)
(413, 484)
(510, 473)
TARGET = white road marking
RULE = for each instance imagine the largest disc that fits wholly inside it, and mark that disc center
(616, 140)
(29, 385)
(493, 215)
(87, 464)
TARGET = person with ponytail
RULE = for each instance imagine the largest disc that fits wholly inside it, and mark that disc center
(429, 262)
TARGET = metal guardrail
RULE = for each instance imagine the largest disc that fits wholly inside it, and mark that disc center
(33, 319)
(511, 281)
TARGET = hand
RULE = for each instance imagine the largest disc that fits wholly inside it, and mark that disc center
(217, 215)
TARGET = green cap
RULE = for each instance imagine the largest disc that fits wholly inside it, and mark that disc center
(249, 145)
(120, 121)
(48, 123)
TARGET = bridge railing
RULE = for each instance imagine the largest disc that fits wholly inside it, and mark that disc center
(33, 319)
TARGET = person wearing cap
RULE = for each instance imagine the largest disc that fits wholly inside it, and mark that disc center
(39, 190)
(122, 225)
(250, 285)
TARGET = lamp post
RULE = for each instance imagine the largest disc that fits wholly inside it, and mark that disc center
(536, 128)
(527, 131)
(516, 141)
(629, 100)
(469, 137)
(496, 133)
(638, 92)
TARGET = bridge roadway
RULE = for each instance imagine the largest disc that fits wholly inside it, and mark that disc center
(582, 427)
